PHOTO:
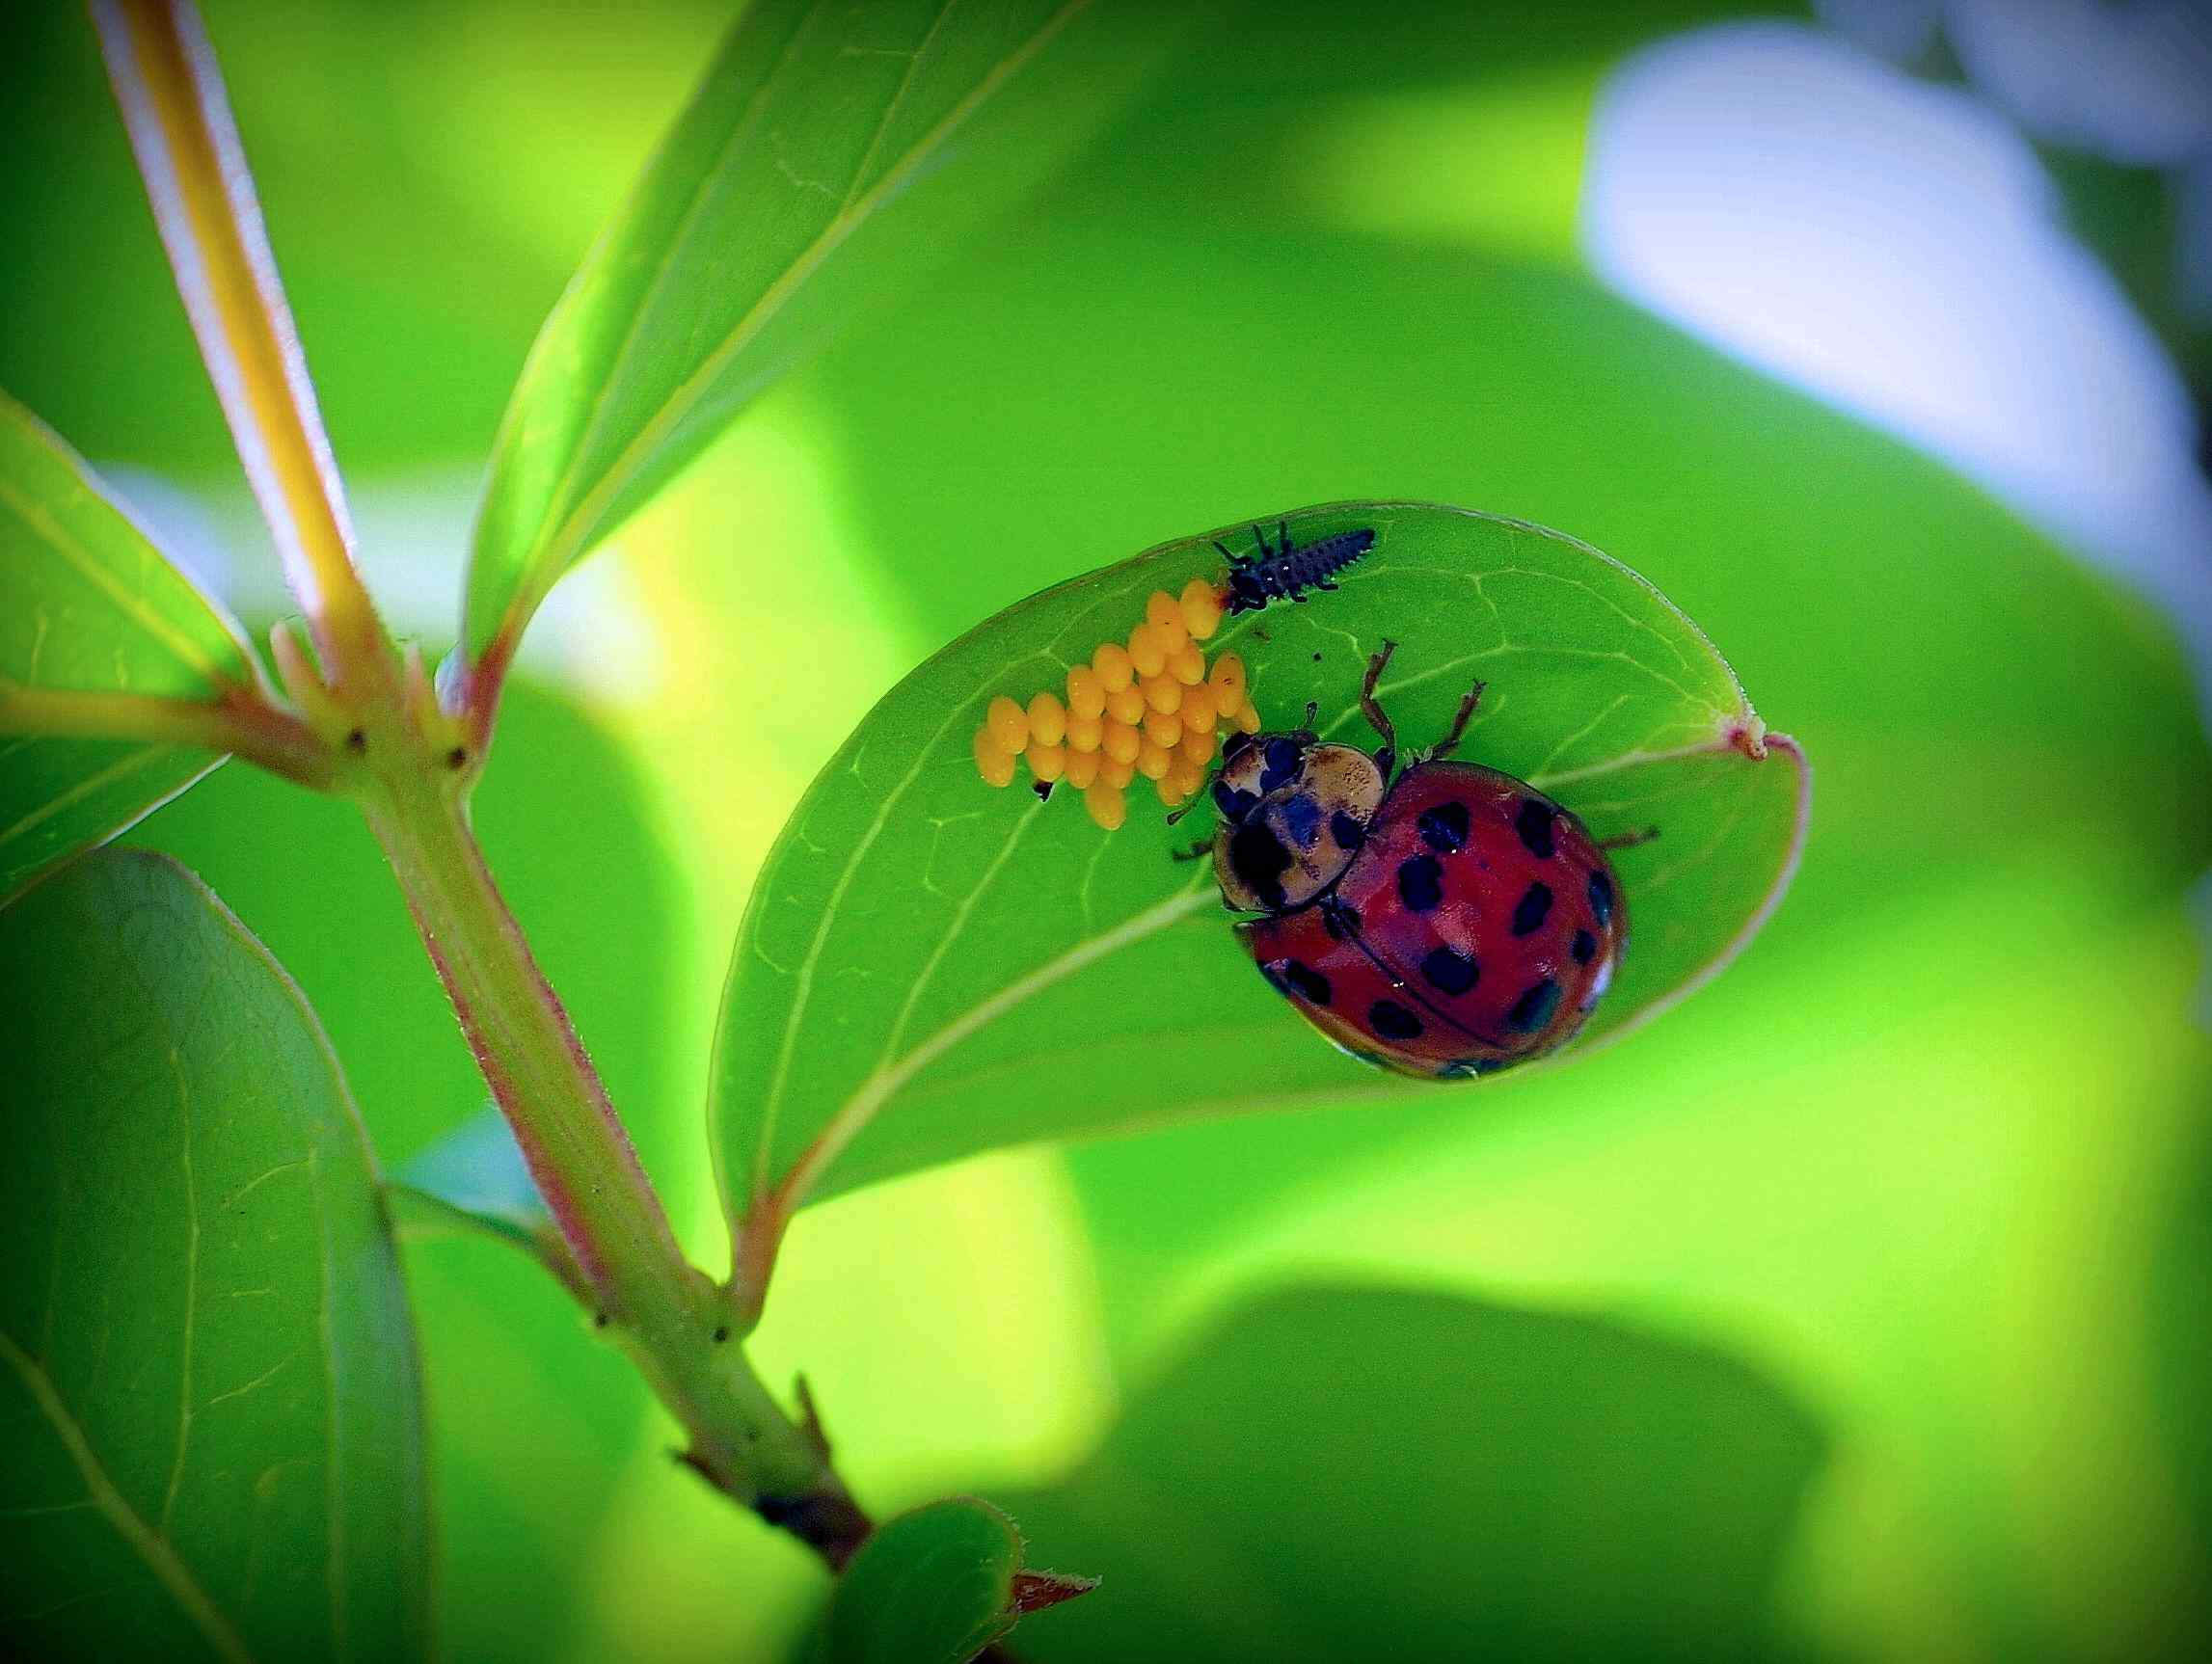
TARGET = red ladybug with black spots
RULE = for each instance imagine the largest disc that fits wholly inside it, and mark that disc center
(1448, 922)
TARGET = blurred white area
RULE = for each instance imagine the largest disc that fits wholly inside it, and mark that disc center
(1896, 248)
(2130, 80)
(592, 636)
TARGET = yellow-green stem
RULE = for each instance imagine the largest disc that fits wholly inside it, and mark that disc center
(664, 1312)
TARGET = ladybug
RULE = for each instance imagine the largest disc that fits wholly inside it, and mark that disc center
(1448, 922)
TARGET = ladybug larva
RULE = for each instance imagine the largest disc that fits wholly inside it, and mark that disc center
(1447, 923)
(1283, 572)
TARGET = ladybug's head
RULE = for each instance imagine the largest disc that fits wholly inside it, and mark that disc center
(1293, 813)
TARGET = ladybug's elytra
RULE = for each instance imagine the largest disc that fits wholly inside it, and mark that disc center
(1448, 922)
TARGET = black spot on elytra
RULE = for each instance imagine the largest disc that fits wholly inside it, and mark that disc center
(1444, 827)
(1348, 832)
(1258, 857)
(1586, 948)
(1529, 914)
(1534, 1008)
(1278, 765)
(1301, 815)
(1602, 898)
(1420, 883)
(1534, 823)
(1450, 971)
(1392, 1021)
(1233, 803)
(1303, 979)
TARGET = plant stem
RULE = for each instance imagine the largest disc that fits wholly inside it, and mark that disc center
(169, 91)
(667, 1314)
(411, 766)
(240, 722)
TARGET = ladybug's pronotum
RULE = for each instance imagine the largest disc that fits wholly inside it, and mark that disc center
(1447, 923)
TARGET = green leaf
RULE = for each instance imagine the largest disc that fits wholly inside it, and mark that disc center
(88, 604)
(811, 118)
(209, 1402)
(929, 968)
(1352, 1473)
(936, 1586)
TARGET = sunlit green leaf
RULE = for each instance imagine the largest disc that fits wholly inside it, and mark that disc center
(936, 1586)
(931, 967)
(1337, 1473)
(88, 604)
(811, 118)
(210, 1403)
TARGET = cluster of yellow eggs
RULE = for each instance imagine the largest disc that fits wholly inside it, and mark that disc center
(1151, 706)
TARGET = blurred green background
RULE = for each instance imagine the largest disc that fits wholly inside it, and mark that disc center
(1859, 1309)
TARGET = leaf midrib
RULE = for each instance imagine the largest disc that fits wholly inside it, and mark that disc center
(152, 1547)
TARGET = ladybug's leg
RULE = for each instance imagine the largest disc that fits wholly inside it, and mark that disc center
(1628, 840)
(1449, 744)
(1371, 708)
(1195, 853)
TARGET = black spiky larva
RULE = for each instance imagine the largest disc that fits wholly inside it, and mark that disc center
(1283, 572)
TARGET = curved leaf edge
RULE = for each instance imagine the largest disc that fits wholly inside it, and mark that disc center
(1743, 731)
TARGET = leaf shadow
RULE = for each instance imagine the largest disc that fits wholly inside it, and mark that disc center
(1357, 1473)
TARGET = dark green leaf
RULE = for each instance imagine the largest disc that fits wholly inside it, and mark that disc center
(1354, 1474)
(936, 1586)
(931, 967)
(811, 118)
(211, 1402)
(88, 604)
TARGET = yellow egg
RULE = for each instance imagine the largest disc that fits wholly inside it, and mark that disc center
(1248, 717)
(993, 761)
(1117, 772)
(1146, 653)
(1082, 769)
(1186, 776)
(1163, 728)
(1086, 692)
(1228, 682)
(1047, 719)
(1106, 804)
(1201, 608)
(1172, 796)
(1152, 760)
(1126, 705)
(1166, 617)
(1187, 664)
(1198, 709)
(1162, 693)
(1197, 746)
(1009, 724)
(1112, 664)
(1046, 762)
(1121, 741)
(1085, 733)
